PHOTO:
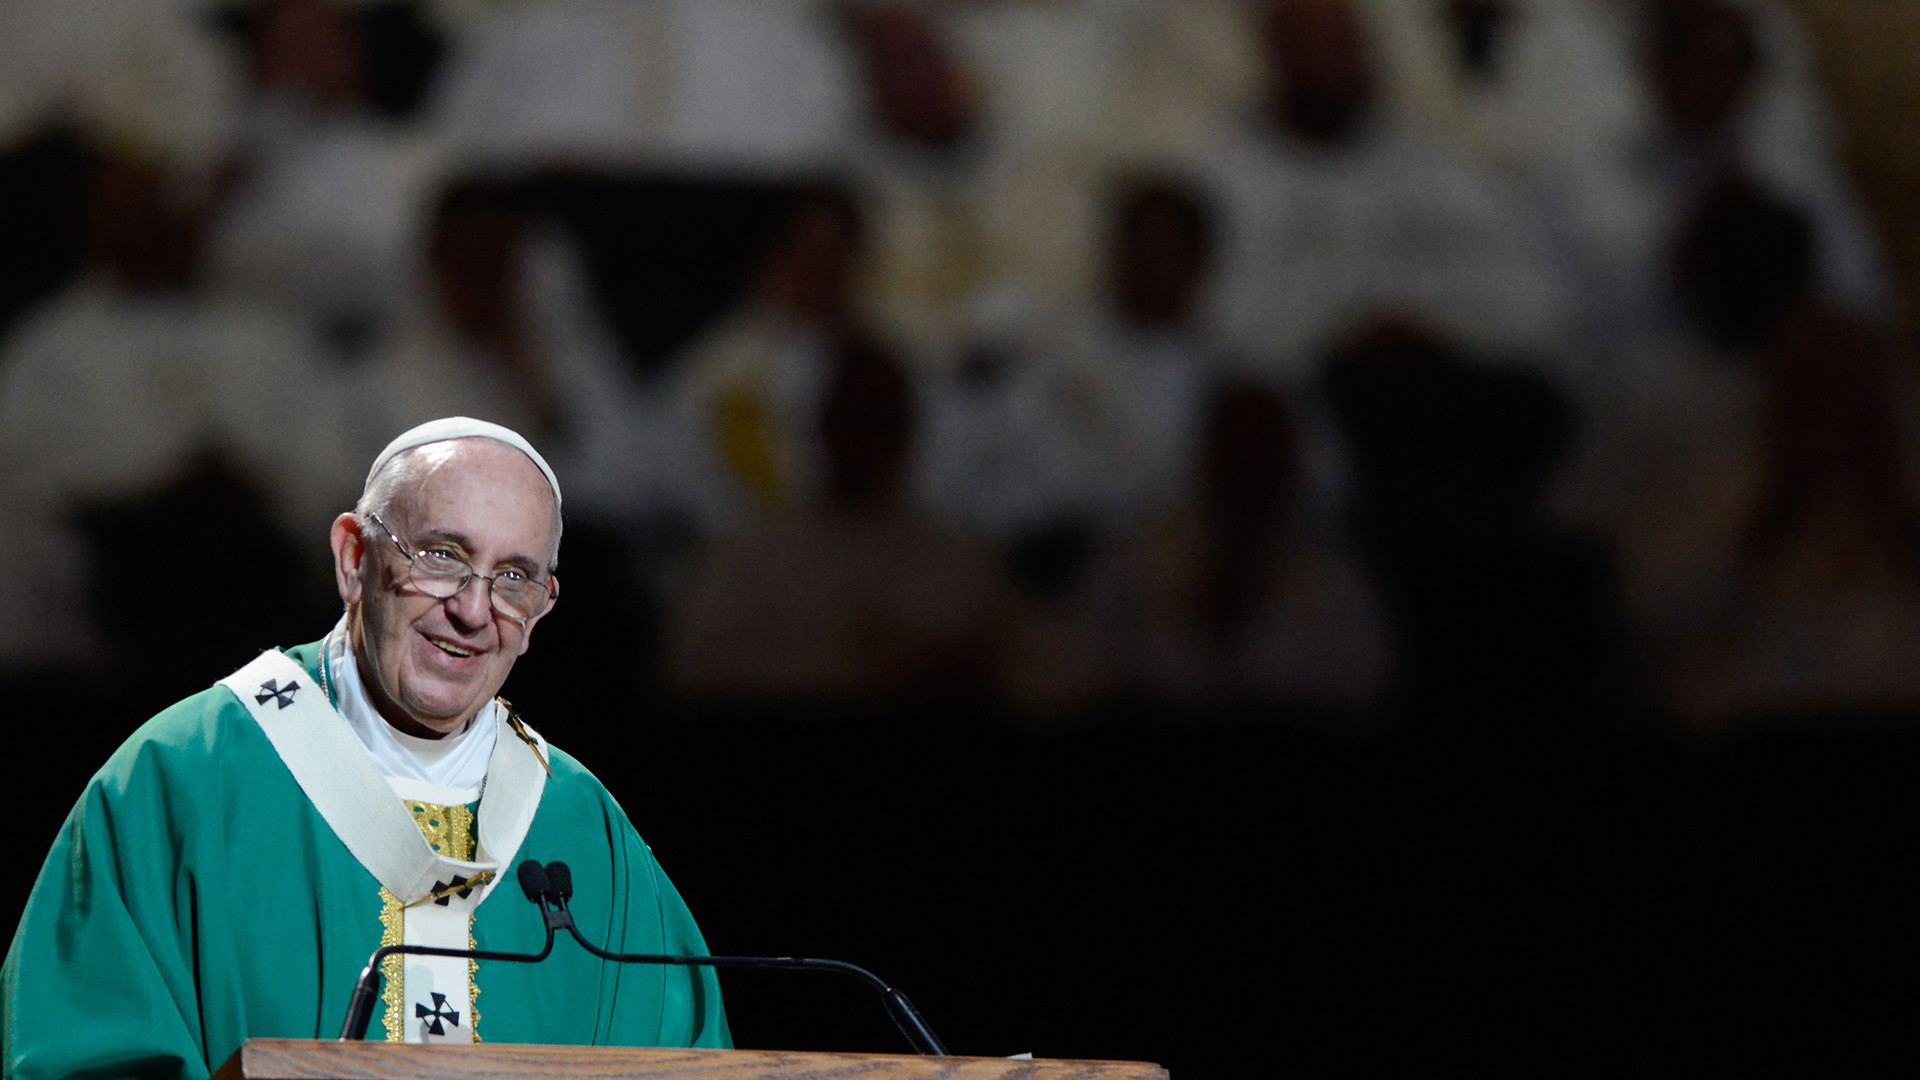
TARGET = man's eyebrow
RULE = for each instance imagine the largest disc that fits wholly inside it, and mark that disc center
(522, 563)
(446, 536)
(525, 563)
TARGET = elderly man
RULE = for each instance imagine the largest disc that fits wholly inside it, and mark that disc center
(229, 870)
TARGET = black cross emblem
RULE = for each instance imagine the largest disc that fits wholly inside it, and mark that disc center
(272, 690)
(442, 887)
(436, 1014)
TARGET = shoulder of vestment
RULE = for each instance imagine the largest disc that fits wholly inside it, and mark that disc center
(211, 727)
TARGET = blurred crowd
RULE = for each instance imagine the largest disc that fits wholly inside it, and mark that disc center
(1476, 360)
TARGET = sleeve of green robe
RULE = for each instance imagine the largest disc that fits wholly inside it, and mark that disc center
(99, 979)
(690, 1013)
(624, 902)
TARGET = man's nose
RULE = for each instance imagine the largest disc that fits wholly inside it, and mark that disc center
(472, 607)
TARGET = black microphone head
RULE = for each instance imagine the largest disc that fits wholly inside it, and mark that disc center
(533, 881)
(560, 880)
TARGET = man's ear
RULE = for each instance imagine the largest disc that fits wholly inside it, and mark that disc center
(349, 553)
(526, 628)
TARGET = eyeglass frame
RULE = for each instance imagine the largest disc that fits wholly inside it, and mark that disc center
(493, 604)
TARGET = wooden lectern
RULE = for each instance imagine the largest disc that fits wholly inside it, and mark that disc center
(314, 1059)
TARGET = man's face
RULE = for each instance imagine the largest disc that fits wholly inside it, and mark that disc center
(431, 663)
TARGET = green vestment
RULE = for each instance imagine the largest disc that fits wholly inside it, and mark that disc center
(194, 899)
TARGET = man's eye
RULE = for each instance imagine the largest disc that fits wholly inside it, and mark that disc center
(515, 577)
(438, 557)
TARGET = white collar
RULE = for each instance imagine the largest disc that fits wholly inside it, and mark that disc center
(457, 761)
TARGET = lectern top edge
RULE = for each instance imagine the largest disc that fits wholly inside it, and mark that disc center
(313, 1059)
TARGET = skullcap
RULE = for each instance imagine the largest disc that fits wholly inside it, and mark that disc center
(461, 427)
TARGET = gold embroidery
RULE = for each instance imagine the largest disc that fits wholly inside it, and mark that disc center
(391, 972)
(448, 829)
(473, 985)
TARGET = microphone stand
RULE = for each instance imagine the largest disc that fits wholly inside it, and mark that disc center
(555, 882)
(905, 1016)
(367, 987)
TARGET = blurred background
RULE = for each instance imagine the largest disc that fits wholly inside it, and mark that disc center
(1269, 536)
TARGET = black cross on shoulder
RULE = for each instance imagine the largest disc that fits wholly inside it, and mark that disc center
(436, 1014)
(271, 690)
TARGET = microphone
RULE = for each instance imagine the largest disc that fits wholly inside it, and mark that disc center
(366, 989)
(534, 882)
(559, 881)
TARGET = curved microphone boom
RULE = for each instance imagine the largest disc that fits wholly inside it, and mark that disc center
(907, 1018)
(551, 887)
(533, 882)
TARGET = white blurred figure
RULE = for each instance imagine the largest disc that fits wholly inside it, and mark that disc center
(1819, 545)
(1088, 420)
(1685, 153)
(108, 390)
(329, 194)
(1757, 478)
(1009, 423)
(1066, 95)
(1096, 420)
(154, 76)
(1072, 449)
(986, 134)
(1173, 74)
(747, 392)
(570, 83)
(1625, 111)
(1243, 598)
(1733, 93)
(1669, 439)
(921, 164)
(850, 594)
(729, 86)
(499, 326)
(1337, 211)
(1231, 597)
(1521, 82)
(1155, 365)
(1063, 95)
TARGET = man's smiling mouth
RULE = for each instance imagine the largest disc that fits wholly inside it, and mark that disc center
(451, 649)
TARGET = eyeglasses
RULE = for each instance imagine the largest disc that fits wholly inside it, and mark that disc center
(441, 574)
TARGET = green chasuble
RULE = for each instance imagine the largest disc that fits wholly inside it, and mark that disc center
(195, 898)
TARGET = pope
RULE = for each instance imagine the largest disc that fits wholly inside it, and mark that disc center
(229, 870)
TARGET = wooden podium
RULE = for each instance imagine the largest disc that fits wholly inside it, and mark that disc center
(314, 1059)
